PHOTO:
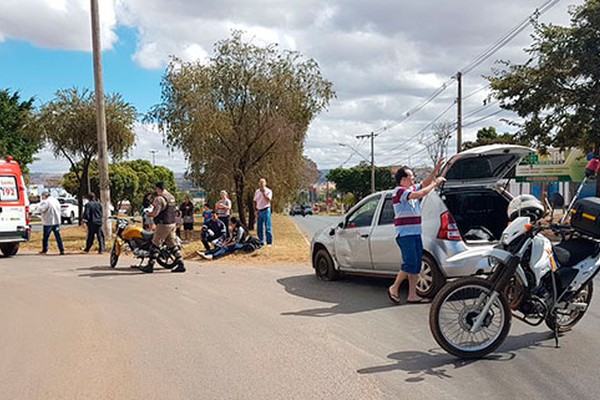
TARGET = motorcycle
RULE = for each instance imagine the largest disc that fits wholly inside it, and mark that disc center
(531, 279)
(139, 242)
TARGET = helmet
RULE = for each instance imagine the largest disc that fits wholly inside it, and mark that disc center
(525, 205)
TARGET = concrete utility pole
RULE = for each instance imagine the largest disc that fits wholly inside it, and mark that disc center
(100, 119)
(459, 113)
(372, 136)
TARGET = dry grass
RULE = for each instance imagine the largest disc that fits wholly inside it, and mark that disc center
(290, 245)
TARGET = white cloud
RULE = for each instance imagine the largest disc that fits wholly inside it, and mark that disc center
(58, 24)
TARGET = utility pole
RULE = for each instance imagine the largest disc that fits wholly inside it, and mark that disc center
(153, 152)
(372, 136)
(459, 113)
(100, 120)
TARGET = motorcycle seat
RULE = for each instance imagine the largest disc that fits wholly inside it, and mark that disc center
(147, 235)
(572, 252)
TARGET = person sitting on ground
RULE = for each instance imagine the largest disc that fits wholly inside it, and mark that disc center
(213, 232)
(235, 241)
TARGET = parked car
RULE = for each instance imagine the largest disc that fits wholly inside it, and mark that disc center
(302, 209)
(468, 211)
(69, 210)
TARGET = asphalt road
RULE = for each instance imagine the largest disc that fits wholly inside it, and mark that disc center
(310, 224)
(71, 327)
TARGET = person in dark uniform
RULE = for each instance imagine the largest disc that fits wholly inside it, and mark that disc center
(92, 218)
(163, 213)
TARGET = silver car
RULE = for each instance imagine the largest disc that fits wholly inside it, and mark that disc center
(468, 211)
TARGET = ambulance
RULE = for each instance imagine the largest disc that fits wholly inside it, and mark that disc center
(14, 208)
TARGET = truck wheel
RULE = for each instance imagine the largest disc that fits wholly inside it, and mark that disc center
(9, 249)
(431, 278)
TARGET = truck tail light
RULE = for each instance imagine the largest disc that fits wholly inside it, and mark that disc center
(448, 228)
(27, 219)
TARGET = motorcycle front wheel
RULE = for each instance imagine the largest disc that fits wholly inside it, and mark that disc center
(454, 312)
(564, 321)
(114, 257)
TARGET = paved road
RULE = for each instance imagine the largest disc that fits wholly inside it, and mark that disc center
(309, 225)
(70, 327)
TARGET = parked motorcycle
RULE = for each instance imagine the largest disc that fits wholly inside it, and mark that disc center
(139, 242)
(531, 279)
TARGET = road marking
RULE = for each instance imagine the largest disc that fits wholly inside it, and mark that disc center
(305, 236)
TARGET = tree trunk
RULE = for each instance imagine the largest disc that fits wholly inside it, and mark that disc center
(85, 177)
(251, 212)
(239, 197)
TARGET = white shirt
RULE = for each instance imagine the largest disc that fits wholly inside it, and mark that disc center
(50, 209)
(261, 201)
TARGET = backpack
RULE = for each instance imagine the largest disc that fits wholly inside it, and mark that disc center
(251, 244)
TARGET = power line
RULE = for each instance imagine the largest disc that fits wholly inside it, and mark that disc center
(508, 36)
(484, 118)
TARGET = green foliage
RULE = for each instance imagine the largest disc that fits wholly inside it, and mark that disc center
(489, 135)
(557, 92)
(357, 180)
(242, 116)
(17, 138)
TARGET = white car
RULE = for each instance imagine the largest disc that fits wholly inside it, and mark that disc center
(468, 211)
(69, 210)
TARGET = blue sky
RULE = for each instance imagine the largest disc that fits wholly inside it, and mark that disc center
(383, 57)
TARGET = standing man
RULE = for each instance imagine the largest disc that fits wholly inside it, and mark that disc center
(92, 218)
(50, 210)
(262, 204)
(187, 213)
(163, 213)
(406, 201)
(223, 209)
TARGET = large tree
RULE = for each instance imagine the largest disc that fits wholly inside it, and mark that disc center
(241, 116)
(557, 91)
(17, 138)
(489, 135)
(68, 123)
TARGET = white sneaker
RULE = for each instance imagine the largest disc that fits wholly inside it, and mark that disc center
(207, 256)
(269, 245)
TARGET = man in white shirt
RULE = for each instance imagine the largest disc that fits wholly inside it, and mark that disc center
(262, 204)
(50, 210)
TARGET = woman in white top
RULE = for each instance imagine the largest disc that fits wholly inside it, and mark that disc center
(223, 209)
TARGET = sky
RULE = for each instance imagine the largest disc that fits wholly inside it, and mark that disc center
(384, 57)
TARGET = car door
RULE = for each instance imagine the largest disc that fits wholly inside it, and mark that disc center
(385, 253)
(352, 248)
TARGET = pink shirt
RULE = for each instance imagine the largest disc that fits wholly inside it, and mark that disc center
(261, 202)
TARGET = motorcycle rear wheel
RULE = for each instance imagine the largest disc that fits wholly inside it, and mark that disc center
(114, 257)
(166, 259)
(566, 322)
(455, 309)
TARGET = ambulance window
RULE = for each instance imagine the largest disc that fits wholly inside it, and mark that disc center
(8, 188)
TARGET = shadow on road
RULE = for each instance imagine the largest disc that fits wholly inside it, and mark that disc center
(113, 271)
(350, 295)
(438, 364)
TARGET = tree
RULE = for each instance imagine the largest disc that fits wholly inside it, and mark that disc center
(437, 145)
(17, 138)
(357, 180)
(147, 176)
(489, 135)
(68, 124)
(556, 91)
(242, 116)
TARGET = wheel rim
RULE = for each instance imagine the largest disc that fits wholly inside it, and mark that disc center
(425, 280)
(322, 266)
(567, 319)
(458, 312)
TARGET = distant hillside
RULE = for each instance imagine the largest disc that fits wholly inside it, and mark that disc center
(46, 179)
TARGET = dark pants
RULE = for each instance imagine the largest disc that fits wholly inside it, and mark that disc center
(47, 230)
(94, 230)
(226, 222)
(206, 239)
(226, 250)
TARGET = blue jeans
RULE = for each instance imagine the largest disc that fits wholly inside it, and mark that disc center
(264, 224)
(227, 250)
(412, 253)
(47, 230)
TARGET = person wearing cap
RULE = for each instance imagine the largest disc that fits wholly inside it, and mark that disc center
(223, 209)
(163, 212)
(50, 210)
